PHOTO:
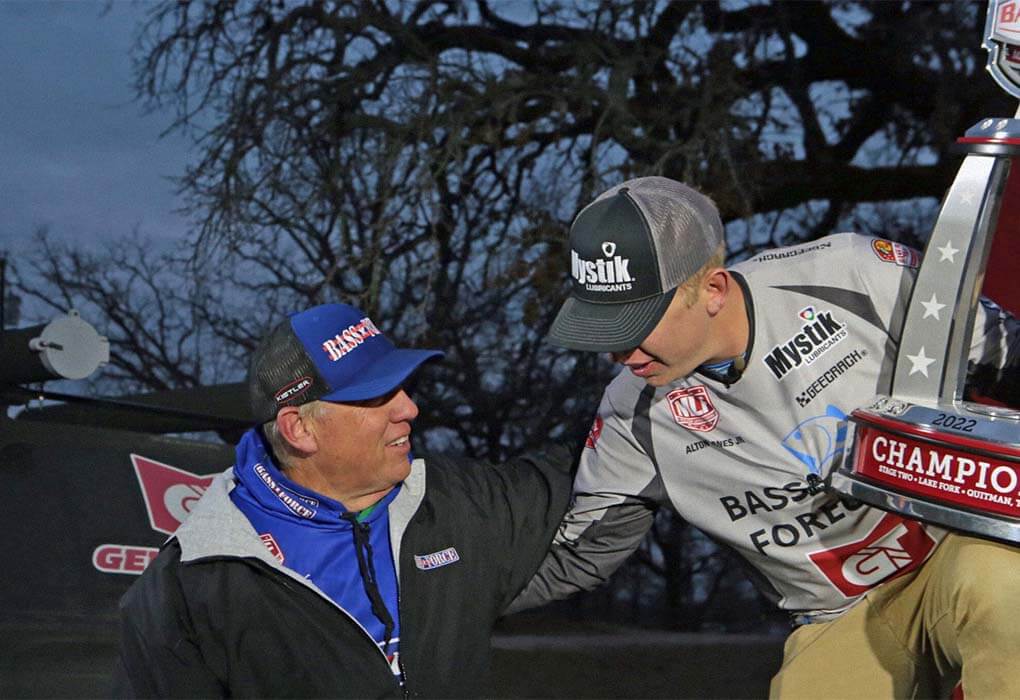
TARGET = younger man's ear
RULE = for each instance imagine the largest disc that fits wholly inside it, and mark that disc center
(716, 286)
(295, 430)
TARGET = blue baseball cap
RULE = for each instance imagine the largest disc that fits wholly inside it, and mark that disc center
(332, 352)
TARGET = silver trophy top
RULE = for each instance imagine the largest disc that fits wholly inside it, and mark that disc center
(1002, 40)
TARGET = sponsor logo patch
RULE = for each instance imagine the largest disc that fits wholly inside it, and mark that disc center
(349, 339)
(271, 544)
(293, 390)
(611, 274)
(445, 557)
(595, 433)
(829, 376)
(896, 253)
(894, 546)
(817, 441)
(819, 334)
(692, 408)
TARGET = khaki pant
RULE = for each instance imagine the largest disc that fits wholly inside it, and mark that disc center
(957, 618)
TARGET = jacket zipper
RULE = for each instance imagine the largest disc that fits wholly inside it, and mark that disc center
(400, 656)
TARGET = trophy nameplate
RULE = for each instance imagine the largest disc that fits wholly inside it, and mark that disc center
(955, 467)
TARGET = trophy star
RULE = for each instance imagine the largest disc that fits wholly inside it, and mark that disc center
(948, 252)
(932, 307)
(919, 362)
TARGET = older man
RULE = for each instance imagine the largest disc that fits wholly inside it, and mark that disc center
(327, 562)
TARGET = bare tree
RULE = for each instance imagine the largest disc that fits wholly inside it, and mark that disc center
(146, 308)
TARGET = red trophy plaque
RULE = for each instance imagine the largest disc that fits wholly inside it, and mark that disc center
(923, 451)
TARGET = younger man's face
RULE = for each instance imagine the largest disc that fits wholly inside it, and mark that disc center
(674, 348)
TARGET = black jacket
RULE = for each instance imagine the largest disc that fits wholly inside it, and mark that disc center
(215, 614)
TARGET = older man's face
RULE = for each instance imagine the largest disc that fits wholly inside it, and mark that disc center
(365, 444)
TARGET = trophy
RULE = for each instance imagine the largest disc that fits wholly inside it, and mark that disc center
(923, 451)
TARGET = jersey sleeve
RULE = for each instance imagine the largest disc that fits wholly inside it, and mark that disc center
(616, 493)
(888, 271)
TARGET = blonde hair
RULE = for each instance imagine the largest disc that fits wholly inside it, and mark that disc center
(282, 450)
(688, 291)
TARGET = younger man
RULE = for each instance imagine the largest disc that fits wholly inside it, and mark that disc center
(719, 413)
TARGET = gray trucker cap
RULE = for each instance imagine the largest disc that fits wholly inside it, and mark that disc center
(629, 251)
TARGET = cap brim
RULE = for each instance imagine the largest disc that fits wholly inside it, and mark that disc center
(582, 325)
(383, 376)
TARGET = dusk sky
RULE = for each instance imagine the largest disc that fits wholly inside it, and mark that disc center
(77, 153)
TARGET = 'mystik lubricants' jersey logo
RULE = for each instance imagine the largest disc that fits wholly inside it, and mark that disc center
(815, 338)
(609, 274)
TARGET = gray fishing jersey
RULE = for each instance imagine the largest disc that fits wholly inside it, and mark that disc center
(744, 461)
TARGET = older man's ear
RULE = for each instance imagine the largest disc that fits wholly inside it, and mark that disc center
(297, 430)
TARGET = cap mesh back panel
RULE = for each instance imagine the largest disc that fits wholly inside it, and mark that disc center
(686, 228)
(685, 225)
(280, 360)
